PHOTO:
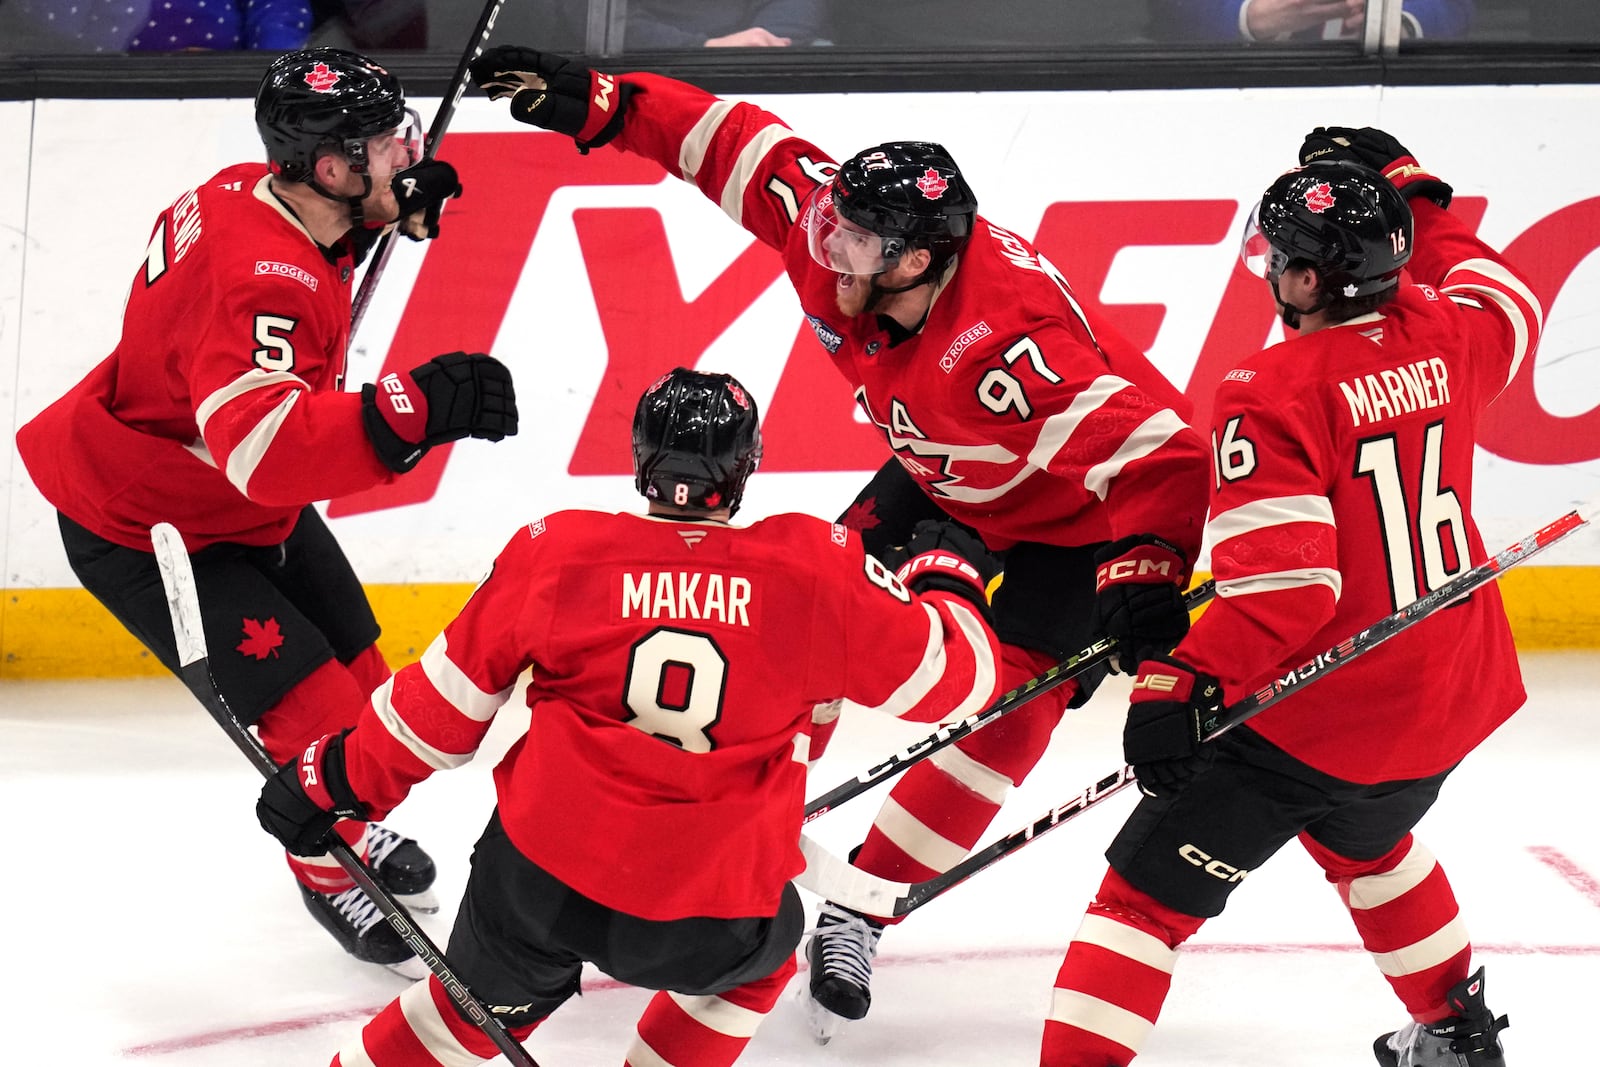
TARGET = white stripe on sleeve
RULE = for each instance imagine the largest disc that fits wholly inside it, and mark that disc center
(745, 167)
(1505, 286)
(692, 153)
(1268, 512)
(454, 685)
(400, 730)
(1274, 581)
(1150, 435)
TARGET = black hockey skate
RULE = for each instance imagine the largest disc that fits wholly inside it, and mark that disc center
(402, 868)
(360, 928)
(840, 953)
(1469, 1038)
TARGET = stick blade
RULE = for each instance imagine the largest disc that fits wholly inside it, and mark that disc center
(183, 602)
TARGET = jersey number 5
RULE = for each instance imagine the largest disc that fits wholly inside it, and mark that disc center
(1436, 526)
(675, 685)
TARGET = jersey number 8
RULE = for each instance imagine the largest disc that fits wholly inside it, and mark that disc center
(675, 686)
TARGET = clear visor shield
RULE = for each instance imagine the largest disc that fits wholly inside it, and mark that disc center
(839, 244)
(1256, 252)
(409, 138)
(394, 150)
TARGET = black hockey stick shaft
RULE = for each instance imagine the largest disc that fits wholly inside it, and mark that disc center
(183, 603)
(950, 733)
(1361, 643)
(441, 122)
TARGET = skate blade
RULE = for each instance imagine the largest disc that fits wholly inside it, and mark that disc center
(820, 1022)
(423, 903)
(412, 969)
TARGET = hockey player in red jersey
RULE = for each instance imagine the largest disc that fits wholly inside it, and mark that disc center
(221, 412)
(649, 820)
(1007, 407)
(1343, 492)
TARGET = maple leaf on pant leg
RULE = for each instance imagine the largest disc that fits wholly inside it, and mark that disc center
(260, 639)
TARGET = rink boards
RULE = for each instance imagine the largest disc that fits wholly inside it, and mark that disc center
(591, 275)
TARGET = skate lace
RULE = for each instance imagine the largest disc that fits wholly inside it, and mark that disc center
(380, 842)
(848, 944)
(357, 909)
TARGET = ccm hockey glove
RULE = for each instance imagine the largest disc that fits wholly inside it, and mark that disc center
(945, 556)
(450, 397)
(554, 93)
(1163, 739)
(300, 804)
(1382, 153)
(1138, 585)
(421, 190)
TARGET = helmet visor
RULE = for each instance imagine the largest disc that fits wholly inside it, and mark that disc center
(410, 137)
(839, 244)
(1256, 252)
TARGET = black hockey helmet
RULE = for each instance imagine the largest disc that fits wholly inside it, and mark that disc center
(908, 193)
(696, 440)
(1344, 219)
(322, 97)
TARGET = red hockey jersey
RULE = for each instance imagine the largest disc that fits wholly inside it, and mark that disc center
(1016, 410)
(219, 409)
(1343, 492)
(674, 666)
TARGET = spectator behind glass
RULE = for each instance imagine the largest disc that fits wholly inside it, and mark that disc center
(369, 24)
(164, 26)
(657, 24)
(1297, 20)
(969, 24)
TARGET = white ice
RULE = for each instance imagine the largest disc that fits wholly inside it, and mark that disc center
(149, 923)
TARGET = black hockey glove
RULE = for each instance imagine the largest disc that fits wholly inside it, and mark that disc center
(945, 556)
(1138, 584)
(300, 804)
(554, 93)
(450, 397)
(1382, 153)
(421, 190)
(1164, 737)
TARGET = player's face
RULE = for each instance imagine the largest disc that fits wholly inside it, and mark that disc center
(388, 154)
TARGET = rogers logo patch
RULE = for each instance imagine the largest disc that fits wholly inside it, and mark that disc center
(1239, 376)
(287, 270)
(948, 361)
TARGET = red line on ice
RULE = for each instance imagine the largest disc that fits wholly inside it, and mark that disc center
(1581, 880)
(594, 983)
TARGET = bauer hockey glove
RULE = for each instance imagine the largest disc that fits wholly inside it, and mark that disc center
(554, 93)
(449, 397)
(300, 804)
(1382, 153)
(945, 556)
(1138, 590)
(1163, 739)
(421, 190)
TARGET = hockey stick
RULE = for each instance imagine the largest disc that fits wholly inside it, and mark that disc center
(441, 122)
(832, 878)
(950, 733)
(183, 603)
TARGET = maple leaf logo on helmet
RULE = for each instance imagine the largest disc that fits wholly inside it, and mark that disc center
(322, 79)
(1319, 198)
(738, 396)
(932, 184)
